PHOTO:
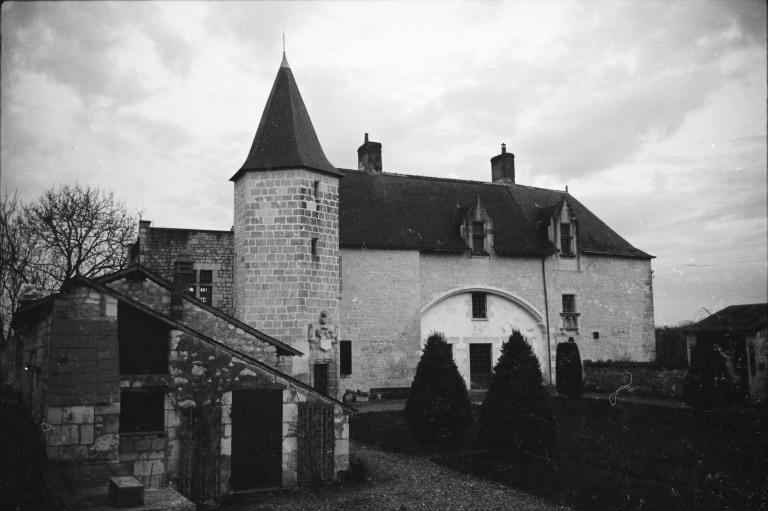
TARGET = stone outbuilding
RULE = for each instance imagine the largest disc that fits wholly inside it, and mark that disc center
(740, 335)
(132, 369)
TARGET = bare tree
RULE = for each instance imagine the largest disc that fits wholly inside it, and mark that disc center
(15, 259)
(79, 231)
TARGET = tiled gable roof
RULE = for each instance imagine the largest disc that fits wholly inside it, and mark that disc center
(736, 318)
(285, 137)
(394, 211)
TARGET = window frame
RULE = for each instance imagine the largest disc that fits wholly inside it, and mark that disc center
(570, 318)
(566, 242)
(345, 358)
(479, 310)
(478, 236)
(202, 289)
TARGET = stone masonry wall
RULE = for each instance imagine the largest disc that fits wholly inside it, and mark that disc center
(159, 248)
(380, 316)
(83, 387)
(280, 287)
(614, 297)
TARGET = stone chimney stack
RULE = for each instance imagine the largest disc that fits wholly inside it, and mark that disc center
(503, 167)
(369, 156)
(183, 278)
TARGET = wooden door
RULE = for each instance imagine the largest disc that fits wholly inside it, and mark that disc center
(480, 366)
(257, 443)
(316, 442)
(199, 438)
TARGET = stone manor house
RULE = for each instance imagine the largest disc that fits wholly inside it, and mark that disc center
(217, 360)
(390, 258)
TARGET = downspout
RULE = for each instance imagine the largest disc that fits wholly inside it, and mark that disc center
(546, 313)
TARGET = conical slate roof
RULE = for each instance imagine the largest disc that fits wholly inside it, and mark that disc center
(285, 137)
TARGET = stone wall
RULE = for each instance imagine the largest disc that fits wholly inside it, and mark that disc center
(388, 297)
(614, 297)
(380, 316)
(82, 392)
(647, 379)
(280, 286)
(159, 247)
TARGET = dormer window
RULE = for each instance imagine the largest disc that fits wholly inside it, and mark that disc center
(478, 238)
(566, 240)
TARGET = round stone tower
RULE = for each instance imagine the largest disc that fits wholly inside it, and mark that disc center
(286, 235)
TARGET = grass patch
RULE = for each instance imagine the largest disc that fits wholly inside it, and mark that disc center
(630, 456)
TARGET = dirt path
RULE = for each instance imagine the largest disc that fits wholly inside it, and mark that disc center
(400, 482)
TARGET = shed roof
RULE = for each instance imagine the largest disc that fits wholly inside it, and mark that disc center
(734, 318)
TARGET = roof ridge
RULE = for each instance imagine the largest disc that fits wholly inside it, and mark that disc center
(455, 180)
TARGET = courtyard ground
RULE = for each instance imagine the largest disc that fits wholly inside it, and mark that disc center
(398, 481)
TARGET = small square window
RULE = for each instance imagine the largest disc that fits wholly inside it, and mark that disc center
(479, 306)
(142, 411)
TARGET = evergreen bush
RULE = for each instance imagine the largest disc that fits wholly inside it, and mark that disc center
(569, 380)
(515, 418)
(707, 384)
(438, 409)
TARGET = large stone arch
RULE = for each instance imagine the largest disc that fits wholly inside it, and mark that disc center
(451, 314)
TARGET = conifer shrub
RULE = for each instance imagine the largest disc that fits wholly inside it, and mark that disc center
(438, 409)
(515, 418)
(707, 384)
(569, 380)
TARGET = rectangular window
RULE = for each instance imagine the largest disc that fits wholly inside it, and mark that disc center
(569, 314)
(316, 190)
(142, 342)
(314, 247)
(479, 306)
(478, 238)
(142, 411)
(202, 287)
(566, 240)
(345, 358)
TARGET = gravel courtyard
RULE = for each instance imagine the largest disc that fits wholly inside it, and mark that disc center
(399, 482)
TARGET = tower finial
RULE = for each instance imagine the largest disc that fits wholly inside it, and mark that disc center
(284, 63)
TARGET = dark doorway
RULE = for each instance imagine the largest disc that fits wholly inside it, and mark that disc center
(316, 442)
(198, 454)
(479, 366)
(321, 378)
(257, 443)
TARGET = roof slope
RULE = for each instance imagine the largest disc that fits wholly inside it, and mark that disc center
(285, 137)
(737, 318)
(282, 348)
(182, 326)
(394, 211)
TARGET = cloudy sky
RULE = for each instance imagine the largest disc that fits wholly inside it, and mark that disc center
(652, 113)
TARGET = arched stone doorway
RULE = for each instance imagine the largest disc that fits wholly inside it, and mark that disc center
(476, 321)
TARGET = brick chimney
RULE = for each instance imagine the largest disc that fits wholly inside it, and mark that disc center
(183, 277)
(369, 156)
(503, 167)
